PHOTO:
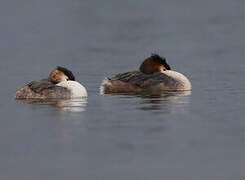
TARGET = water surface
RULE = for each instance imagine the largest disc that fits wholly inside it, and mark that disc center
(195, 136)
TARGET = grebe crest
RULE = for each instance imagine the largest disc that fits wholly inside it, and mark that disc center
(154, 63)
(61, 74)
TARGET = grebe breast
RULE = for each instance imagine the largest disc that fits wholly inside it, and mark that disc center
(76, 89)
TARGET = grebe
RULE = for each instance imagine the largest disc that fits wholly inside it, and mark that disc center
(154, 76)
(60, 84)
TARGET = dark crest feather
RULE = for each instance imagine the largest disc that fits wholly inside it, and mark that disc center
(67, 72)
(161, 60)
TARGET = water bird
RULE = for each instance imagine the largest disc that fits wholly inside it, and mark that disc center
(154, 76)
(60, 84)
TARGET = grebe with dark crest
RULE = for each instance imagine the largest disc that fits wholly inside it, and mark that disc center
(154, 77)
(60, 84)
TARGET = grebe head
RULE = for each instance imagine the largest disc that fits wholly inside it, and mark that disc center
(61, 74)
(154, 63)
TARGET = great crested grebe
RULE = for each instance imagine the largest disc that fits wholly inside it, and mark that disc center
(153, 76)
(60, 84)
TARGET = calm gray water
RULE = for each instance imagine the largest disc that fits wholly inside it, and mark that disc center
(196, 136)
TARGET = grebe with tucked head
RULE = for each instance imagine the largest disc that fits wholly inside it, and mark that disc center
(60, 84)
(154, 76)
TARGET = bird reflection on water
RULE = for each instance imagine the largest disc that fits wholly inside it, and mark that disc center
(164, 102)
(70, 105)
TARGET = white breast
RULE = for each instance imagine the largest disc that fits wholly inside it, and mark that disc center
(77, 90)
(180, 82)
